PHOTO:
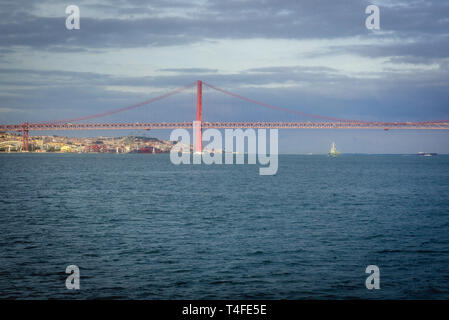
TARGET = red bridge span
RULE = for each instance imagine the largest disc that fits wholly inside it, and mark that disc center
(324, 123)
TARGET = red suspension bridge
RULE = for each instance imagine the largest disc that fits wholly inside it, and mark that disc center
(323, 123)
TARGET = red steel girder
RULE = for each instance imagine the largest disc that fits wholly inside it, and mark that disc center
(224, 125)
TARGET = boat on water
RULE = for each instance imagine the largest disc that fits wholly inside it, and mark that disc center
(333, 152)
(427, 154)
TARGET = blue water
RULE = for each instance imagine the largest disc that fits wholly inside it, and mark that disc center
(140, 227)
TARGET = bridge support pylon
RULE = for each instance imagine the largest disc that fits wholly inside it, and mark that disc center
(199, 117)
(25, 136)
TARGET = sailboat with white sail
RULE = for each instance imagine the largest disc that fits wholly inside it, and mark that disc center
(333, 152)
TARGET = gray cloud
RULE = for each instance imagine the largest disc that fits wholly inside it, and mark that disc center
(217, 20)
(420, 50)
(165, 23)
(190, 70)
(391, 94)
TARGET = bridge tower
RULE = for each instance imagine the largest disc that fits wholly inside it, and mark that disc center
(25, 136)
(199, 116)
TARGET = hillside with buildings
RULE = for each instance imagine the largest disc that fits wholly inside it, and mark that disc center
(12, 142)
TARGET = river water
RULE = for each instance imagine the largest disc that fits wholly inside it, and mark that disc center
(139, 227)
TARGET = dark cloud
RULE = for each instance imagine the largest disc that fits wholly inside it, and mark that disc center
(216, 20)
(419, 28)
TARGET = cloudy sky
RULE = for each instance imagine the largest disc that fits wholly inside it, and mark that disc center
(311, 56)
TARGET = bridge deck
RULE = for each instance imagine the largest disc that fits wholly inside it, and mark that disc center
(227, 125)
